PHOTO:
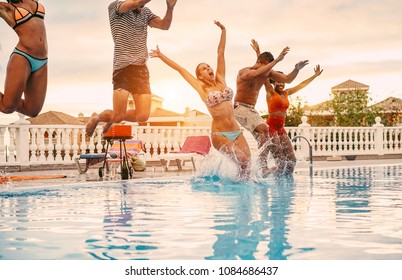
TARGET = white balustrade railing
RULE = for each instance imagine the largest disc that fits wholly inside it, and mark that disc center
(24, 144)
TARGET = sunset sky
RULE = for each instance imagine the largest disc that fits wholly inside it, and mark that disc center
(350, 39)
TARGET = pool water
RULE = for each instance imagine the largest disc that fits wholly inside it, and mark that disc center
(338, 214)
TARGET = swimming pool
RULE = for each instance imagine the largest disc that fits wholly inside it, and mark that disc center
(338, 214)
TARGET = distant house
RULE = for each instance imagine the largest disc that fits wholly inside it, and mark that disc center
(53, 117)
(323, 113)
(391, 108)
(349, 86)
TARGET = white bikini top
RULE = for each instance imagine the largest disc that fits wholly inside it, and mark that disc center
(216, 97)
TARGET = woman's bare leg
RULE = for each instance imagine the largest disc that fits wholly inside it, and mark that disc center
(17, 75)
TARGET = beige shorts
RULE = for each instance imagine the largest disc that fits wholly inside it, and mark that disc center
(248, 117)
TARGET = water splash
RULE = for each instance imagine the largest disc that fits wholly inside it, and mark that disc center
(219, 169)
(5, 180)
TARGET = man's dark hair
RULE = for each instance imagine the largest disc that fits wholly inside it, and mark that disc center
(266, 57)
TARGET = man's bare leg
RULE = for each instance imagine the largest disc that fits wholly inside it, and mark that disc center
(105, 116)
(91, 125)
(107, 126)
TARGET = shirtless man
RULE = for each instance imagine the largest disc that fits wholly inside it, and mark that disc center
(249, 83)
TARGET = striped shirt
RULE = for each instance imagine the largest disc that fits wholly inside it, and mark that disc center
(129, 32)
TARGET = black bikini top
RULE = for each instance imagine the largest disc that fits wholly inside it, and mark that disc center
(22, 15)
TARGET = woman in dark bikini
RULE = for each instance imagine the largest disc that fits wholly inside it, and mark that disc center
(227, 136)
(27, 67)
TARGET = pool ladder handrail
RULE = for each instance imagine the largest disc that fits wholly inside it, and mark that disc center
(310, 151)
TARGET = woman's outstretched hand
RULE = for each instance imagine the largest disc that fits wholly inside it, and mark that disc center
(221, 26)
(155, 53)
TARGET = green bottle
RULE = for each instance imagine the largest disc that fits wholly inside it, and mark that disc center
(124, 169)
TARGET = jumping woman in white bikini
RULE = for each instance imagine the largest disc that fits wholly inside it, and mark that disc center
(227, 136)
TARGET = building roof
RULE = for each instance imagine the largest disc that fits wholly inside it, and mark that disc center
(323, 106)
(157, 98)
(53, 117)
(195, 113)
(350, 85)
(159, 112)
(390, 104)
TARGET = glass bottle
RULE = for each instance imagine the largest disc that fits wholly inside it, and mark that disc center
(124, 169)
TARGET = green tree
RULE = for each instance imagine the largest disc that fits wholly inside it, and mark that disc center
(294, 112)
(351, 109)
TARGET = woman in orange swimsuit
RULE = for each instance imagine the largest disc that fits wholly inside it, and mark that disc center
(227, 136)
(278, 103)
(27, 67)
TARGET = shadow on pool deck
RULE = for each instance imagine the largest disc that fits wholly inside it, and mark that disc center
(154, 169)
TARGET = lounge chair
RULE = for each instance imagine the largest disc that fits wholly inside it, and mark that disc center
(133, 147)
(194, 147)
(92, 159)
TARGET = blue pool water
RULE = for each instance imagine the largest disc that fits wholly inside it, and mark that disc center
(341, 214)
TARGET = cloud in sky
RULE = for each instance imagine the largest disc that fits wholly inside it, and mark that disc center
(351, 39)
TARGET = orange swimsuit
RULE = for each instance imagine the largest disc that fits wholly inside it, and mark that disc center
(277, 104)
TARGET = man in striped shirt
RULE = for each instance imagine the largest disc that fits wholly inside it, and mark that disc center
(129, 21)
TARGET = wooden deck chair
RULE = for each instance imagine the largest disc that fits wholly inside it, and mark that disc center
(193, 147)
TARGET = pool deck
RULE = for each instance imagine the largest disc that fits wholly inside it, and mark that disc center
(154, 169)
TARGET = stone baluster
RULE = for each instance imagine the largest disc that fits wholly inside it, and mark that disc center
(147, 145)
(67, 144)
(2, 144)
(75, 146)
(169, 140)
(91, 145)
(11, 148)
(59, 145)
(34, 147)
(155, 142)
(83, 146)
(42, 146)
(98, 142)
(175, 142)
(162, 140)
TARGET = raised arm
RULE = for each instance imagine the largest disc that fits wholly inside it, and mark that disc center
(129, 5)
(221, 68)
(269, 90)
(256, 47)
(250, 73)
(317, 72)
(6, 13)
(183, 72)
(164, 23)
(283, 78)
